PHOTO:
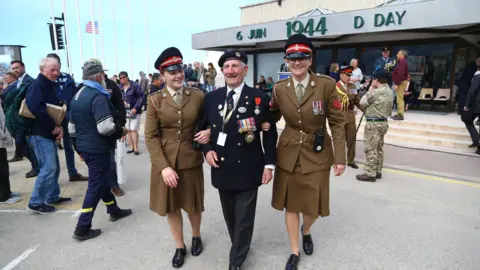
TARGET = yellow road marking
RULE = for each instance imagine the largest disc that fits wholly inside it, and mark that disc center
(431, 177)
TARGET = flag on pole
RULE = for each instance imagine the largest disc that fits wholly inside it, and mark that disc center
(89, 27)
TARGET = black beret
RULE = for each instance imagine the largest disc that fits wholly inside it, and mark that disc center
(232, 55)
(380, 73)
(298, 46)
(170, 59)
(385, 49)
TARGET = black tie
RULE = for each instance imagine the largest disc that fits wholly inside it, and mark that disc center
(230, 101)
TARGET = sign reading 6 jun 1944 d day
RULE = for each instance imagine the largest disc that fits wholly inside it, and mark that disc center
(309, 28)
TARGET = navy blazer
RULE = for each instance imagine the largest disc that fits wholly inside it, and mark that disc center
(241, 164)
(26, 80)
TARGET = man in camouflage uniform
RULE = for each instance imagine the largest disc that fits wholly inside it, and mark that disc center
(378, 102)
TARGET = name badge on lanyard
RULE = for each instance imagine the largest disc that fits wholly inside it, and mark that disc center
(222, 137)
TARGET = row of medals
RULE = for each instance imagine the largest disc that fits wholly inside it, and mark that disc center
(249, 136)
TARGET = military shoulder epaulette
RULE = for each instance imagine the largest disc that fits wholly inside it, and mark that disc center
(158, 92)
(282, 80)
(325, 76)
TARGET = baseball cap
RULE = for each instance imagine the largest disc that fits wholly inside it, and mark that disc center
(92, 66)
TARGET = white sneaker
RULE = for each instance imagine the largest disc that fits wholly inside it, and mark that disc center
(11, 200)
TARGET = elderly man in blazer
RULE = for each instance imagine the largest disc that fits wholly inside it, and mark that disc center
(239, 162)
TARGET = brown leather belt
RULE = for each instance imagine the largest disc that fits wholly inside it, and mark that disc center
(298, 134)
(175, 136)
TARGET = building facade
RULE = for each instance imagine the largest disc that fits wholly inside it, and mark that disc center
(441, 36)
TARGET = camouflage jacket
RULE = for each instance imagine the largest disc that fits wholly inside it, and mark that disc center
(378, 102)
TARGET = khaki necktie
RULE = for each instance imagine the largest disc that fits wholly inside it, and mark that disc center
(177, 97)
(299, 92)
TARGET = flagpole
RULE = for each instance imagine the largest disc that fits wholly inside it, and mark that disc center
(130, 37)
(115, 36)
(54, 27)
(67, 41)
(146, 36)
(100, 25)
(94, 29)
(79, 35)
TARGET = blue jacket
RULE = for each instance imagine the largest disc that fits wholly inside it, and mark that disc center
(26, 80)
(66, 88)
(92, 122)
(133, 96)
(39, 93)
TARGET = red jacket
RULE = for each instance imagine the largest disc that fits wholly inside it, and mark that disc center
(400, 73)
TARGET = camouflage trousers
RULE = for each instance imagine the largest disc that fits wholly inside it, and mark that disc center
(373, 139)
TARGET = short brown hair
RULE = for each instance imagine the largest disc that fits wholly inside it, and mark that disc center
(11, 73)
(382, 80)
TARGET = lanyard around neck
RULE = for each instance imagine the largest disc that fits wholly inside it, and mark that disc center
(226, 117)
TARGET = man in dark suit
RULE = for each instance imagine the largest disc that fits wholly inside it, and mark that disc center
(21, 147)
(239, 163)
(386, 62)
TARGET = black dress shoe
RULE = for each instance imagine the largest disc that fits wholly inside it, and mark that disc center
(307, 243)
(179, 257)
(292, 263)
(32, 173)
(120, 214)
(85, 234)
(197, 246)
(379, 175)
(353, 165)
(15, 159)
(130, 151)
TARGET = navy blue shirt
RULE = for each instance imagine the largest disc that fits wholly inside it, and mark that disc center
(40, 92)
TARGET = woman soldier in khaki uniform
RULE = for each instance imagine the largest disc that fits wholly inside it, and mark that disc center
(304, 152)
(176, 174)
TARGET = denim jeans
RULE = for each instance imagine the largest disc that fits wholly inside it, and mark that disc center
(46, 189)
(68, 149)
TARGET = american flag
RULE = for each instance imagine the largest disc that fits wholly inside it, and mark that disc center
(89, 27)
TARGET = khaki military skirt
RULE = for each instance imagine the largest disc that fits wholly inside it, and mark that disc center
(188, 195)
(302, 193)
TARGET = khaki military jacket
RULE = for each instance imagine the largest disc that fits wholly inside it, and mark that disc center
(169, 129)
(353, 100)
(321, 101)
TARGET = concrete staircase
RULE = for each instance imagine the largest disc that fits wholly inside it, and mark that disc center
(435, 134)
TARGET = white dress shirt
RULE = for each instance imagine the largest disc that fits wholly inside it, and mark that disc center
(19, 81)
(236, 97)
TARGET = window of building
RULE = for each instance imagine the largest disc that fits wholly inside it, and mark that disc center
(268, 65)
(323, 59)
(346, 55)
(367, 59)
(429, 65)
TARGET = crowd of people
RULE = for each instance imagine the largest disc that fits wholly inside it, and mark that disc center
(189, 121)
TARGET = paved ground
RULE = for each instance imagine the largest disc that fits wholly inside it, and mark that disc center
(405, 221)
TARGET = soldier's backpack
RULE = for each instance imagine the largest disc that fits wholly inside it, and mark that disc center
(16, 123)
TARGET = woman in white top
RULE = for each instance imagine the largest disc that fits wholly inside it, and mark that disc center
(357, 75)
